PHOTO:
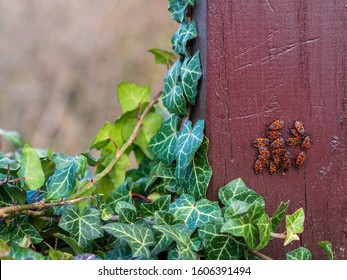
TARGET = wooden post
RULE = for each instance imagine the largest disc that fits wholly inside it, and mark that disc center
(270, 59)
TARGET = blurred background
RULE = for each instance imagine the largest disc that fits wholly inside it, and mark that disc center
(61, 62)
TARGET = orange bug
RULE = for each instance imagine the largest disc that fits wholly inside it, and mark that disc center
(279, 152)
(286, 166)
(300, 159)
(258, 168)
(293, 141)
(295, 133)
(287, 156)
(272, 168)
(273, 134)
(276, 159)
(260, 142)
(264, 151)
(305, 145)
(277, 143)
(300, 128)
(263, 161)
(276, 125)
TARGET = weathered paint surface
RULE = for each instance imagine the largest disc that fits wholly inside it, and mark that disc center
(270, 59)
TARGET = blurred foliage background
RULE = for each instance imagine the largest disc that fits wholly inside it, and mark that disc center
(61, 62)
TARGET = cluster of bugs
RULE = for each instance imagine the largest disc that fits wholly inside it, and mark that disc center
(273, 152)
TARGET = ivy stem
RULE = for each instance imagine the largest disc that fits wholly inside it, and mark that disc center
(41, 206)
(260, 255)
(278, 235)
(141, 196)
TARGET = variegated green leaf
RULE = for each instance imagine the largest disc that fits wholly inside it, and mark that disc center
(130, 96)
(279, 214)
(163, 144)
(138, 237)
(195, 214)
(31, 168)
(83, 227)
(173, 97)
(220, 246)
(122, 193)
(126, 212)
(294, 225)
(235, 207)
(188, 143)
(71, 242)
(264, 228)
(162, 243)
(327, 248)
(177, 9)
(299, 254)
(190, 75)
(20, 253)
(198, 172)
(6, 162)
(148, 210)
(237, 189)
(162, 56)
(186, 32)
(24, 233)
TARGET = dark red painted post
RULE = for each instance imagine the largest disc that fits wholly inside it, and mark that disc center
(268, 59)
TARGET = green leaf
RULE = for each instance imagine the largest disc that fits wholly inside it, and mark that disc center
(294, 225)
(167, 174)
(264, 228)
(130, 96)
(190, 75)
(4, 248)
(62, 182)
(188, 142)
(246, 225)
(121, 193)
(237, 189)
(163, 144)
(177, 9)
(127, 212)
(13, 137)
(220, 246)
(299, 254)
(19, 253)
(71, 242)
(31, 168)
(235, 207)
(279, 214)
(5, 162)
(59, 255)
(173, 97)
(195, 242)
(83, 227)
(23, 232)
(195, 214)
(186, 32)
(162, 243)
(162, 56)
(148, 210)
(327, 248)
(9, 195)
(138, 237)
(198, 172)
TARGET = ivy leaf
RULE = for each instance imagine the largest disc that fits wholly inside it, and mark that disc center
(188, 142)
(20, 253)
(327, 248)
(6, 162)
(102, 138)
(162, 243)
(235, 207)
(13, 137)
(246, 225)
(70, 241)
(173, 97)
(162, 56)
(167, 174)
(294, 225)
(59, 255)
(279, 214)
(190, 75)
(122, 193)
(195, 214)
(199, 172)
(163, 144)
(299, 254)
(4, 248)
(138, 237)
(62, 182)
(177, 9)
(126, 211)
(186, 32)
(9, 194)
(148, 210)
(23, 231)
(237, 189)
(83, 227)
(219, 245)
(264, 228)
(31, 168)
(130, 96)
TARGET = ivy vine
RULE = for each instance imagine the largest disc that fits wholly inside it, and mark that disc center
(56, 206)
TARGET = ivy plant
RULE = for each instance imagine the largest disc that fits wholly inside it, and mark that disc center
(57, 206)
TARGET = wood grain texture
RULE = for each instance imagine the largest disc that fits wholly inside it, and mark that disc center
(272, 59)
